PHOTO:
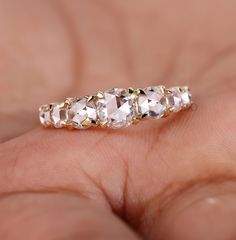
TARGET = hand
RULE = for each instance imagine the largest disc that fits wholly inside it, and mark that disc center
(168, 179)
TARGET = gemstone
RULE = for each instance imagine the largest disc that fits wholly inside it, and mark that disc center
(82, 113)
(44, 115)
(59, 115)
(116, 108)
(180, 98)
(175, 100)
(186, 96)
(152, 102)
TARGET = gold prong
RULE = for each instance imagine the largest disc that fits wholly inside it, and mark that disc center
(68, 101)
(50, 106)
(99, 95)
(90, 98)
(140, 91)
(162, 89)
(131, 90)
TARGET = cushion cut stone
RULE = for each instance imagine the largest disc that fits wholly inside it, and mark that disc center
(152, 102)
(82, 113)
(116, 108)
(180, 98)
(59, 115)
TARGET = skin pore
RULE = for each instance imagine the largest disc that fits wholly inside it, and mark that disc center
(170, 179)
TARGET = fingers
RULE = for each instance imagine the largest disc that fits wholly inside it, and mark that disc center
(48, 216)
(140, 161)
(124, 51)
(203, 210)
(36, 65)
(129, 168)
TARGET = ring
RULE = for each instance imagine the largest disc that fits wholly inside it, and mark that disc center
(116, 107)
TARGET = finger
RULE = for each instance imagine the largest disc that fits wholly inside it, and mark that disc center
(125, 168)
(36, 66)
(48, 216)
(145, 151)
(202, 210)
(112, 55)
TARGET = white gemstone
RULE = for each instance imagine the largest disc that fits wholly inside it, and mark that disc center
(82, 113)
(59, 115)
(175, 100)
(44, 116)
(152, 102)
(186, 97)
(116, 108)
(180, 98)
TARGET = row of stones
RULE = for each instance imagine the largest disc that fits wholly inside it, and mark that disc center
(116, 107)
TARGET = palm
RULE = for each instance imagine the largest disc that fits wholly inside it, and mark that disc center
(145, 173)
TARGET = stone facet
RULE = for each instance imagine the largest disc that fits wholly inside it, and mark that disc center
(59, 115)
(82, 113)
(116, 108)
(152, 102)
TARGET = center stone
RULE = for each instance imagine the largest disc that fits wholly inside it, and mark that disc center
(116, 108)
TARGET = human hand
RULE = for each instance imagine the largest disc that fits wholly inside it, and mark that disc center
(168, 179)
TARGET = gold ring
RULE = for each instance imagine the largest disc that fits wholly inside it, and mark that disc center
(116, 107)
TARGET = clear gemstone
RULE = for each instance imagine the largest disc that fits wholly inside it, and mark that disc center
(152, 102)
(116, 108)
(180, 98)
(44, 115)
(82, 113)
(175, 100)
(59, 115)
(186, 97)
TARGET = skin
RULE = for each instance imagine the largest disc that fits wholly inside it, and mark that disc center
(171, 179)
